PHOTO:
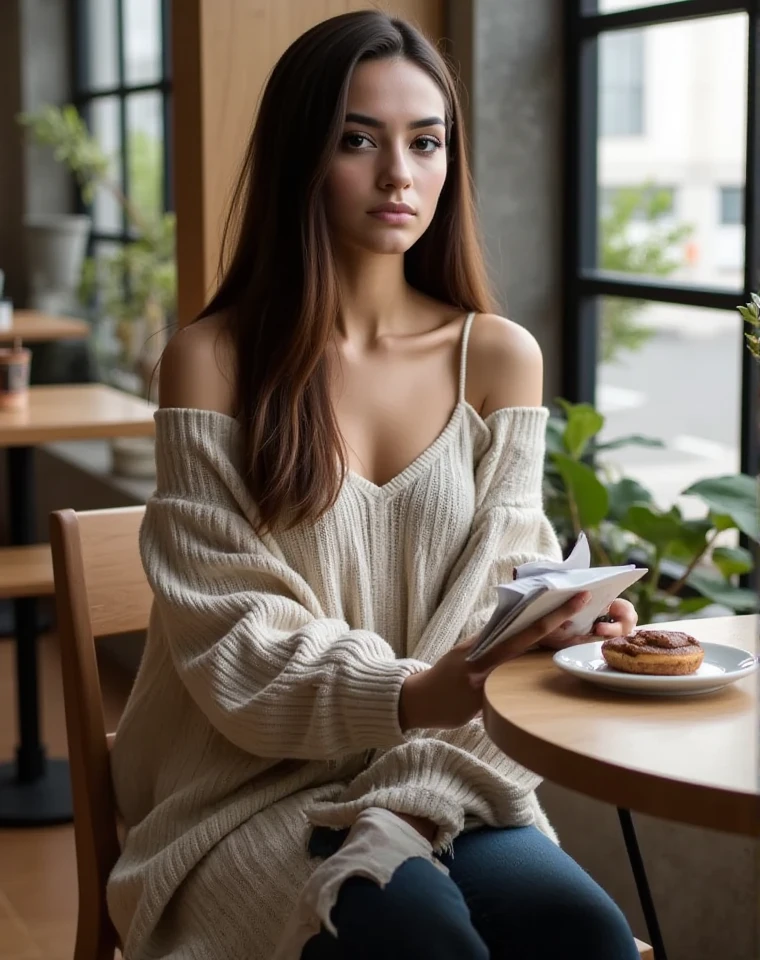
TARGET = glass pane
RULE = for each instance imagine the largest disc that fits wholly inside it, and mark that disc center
(142, 41)
(145, 150)
(673, 373)
(672, 133)
(102, 45)
(105, 125)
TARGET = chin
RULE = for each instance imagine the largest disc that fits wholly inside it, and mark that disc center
(394, 241)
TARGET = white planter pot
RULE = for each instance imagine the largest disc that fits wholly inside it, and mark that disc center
(6, 314)
(55, 248)
(133, 457)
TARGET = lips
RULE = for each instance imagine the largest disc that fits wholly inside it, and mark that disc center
(393, 208)
(393, 213)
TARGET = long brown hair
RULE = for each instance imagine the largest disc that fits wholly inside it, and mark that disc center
(278, 289)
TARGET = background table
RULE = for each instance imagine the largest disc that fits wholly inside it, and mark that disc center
(35, 327)
(35, 790)
(689, 759)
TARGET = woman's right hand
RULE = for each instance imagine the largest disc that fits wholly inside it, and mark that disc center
(450, 693)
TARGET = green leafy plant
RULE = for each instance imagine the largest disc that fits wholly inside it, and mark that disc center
(624, 525)
(656, 254)
(134, 287)
(750, 313)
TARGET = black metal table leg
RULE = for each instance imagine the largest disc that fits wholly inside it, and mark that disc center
(34, 791)
(642, 884)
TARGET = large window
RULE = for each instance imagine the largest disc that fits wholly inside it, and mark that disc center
(663, 230)
(122, 89)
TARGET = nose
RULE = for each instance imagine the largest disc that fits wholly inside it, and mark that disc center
(394, 171)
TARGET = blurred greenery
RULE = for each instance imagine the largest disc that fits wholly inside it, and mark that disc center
(655, 254)
(133, 286)
(145, 160)
(622, 521)
(750, 313)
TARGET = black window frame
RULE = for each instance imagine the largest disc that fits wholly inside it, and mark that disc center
(84, 94)
(583, 282)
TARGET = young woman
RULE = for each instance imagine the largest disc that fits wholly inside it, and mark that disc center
(349, 451)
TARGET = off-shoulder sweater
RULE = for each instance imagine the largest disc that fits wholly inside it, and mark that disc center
(273, 664)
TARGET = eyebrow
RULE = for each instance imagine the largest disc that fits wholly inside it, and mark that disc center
(372, 122)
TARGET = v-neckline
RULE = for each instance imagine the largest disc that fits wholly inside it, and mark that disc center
(412, 470)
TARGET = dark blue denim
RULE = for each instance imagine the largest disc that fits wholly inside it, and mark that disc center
(510, 895)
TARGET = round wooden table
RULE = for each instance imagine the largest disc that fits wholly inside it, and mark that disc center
(689, 759)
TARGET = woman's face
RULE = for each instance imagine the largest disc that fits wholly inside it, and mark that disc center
(386, 176)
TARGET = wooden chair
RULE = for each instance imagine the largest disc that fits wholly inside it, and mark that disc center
(100, 590)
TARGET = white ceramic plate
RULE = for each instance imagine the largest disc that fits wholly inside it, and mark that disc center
(722, 665)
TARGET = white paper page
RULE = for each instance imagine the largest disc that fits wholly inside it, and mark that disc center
(579, 558)
(603, 592)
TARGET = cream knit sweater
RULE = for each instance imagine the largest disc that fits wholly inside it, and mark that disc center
(267, 697)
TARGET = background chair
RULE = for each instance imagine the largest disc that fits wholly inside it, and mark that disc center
(101, 591)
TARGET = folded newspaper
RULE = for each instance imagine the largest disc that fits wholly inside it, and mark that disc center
(542, 586)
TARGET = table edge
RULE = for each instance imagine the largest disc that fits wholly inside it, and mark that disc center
(729, 811)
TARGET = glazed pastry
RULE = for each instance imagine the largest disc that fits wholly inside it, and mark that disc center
(658, 652)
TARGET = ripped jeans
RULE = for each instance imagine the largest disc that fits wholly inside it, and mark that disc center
(510, 894)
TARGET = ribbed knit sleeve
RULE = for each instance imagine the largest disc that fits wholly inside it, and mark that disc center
(247, 635)
(455, 775)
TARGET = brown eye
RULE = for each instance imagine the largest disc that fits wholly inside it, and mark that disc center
(427, 144)
(355, 141)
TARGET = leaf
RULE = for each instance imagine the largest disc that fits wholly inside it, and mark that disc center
(688, 605)
(721, 521)
(630, 440)
(733, 496)
(624, 494)
(755, 300)
(585, 488)
(693, 534)
(736, 598)
(658, 528)
(732, 560)
(583, 423)
(555, 429)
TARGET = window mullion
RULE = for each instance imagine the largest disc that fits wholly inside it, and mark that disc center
(580, 205)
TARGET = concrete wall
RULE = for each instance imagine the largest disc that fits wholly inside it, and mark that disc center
(510, 57)
(34, 69)
(705, 884)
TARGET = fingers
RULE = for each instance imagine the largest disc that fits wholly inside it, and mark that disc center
(553, 621)
(529, 637)
(625, 619)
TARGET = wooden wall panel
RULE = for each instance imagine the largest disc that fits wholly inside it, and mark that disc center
(223, 51)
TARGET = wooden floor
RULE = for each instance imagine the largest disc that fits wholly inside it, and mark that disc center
(38, 888)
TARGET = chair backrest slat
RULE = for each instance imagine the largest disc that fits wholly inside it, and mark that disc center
(115, 581)
(101, 590)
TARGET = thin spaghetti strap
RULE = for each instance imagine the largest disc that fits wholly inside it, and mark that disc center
(463, 360)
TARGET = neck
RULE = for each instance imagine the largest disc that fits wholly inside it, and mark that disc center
(375, 297)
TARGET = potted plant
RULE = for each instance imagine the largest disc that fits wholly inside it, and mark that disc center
(131, 291)
(689, 569)
(56, 243)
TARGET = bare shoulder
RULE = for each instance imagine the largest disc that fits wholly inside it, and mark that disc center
(505, 364)
(198, 368)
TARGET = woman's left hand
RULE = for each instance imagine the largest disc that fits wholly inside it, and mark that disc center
(624, 618)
